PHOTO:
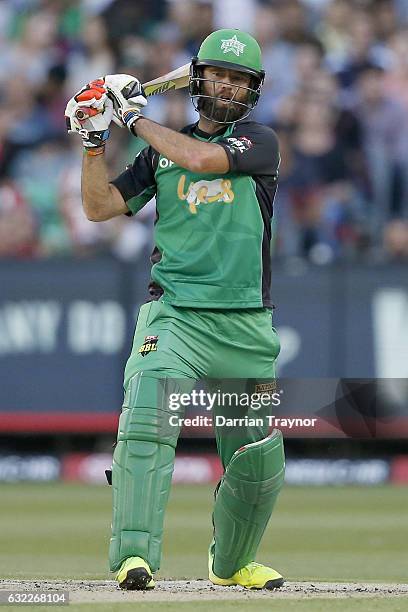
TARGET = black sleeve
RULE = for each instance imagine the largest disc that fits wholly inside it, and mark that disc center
(252, 149)
(137, 183)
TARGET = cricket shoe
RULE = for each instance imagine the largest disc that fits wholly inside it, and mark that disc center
(251, 576)
(135, 575)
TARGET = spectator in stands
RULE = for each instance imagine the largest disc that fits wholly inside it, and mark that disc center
(25, 124)
(293, 21)
(30, 55)
(386, 20)
(51, 99)
(290, 68)
(363, 48)
(334, 28)
(385, 145)
(396, 78)
(278, 59)
(93, 57)
(396, 239)
(194, 20)
(39, 171)
(320, 192)
(323, 88)
(18, 229)
(345, 60)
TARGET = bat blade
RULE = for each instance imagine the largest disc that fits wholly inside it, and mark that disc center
(172, 80)
(177, 79)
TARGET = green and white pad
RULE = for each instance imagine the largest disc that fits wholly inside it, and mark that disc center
(142, 468)
(244, 502)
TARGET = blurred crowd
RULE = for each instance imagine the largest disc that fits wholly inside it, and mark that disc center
(336, 92)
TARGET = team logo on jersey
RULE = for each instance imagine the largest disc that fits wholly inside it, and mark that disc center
(204, 192)
(232, 44)
(149, 345)
(241, 144)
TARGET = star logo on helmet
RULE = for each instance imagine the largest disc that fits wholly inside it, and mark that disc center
(232, 44)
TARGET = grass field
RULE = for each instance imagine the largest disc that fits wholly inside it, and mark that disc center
(61, 531)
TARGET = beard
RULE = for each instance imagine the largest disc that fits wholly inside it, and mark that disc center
(220, 112)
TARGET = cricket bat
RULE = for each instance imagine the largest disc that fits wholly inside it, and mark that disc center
(176, 79)
(172, 80)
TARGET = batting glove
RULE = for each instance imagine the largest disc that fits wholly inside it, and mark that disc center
(128, 98)
(89, 113)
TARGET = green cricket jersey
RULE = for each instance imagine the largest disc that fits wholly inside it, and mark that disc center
(212, 231)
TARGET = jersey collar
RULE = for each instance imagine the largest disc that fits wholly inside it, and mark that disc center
(195, 131)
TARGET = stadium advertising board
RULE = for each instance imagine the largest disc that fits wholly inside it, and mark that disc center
(66, 329)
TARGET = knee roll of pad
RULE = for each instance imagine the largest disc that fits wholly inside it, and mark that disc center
(245, 501)
(146, 413)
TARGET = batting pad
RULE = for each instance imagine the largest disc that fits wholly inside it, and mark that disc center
(142, 468)
(245, 501)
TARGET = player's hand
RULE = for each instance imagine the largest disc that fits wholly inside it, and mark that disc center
(128, 98)
(89, 113)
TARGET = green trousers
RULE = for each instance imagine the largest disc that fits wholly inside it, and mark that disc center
(215, 345)
(180, 345)
(204, 343)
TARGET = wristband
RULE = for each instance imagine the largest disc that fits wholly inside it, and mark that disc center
(133, 125)
(94, 151)
(130, 117)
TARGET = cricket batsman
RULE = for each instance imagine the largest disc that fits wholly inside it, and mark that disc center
(210, 311)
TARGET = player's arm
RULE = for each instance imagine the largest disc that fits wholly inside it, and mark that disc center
(127, 95)
(194, 155)
(126, 194)
(101, 200)
(252, 149)
(129, 100)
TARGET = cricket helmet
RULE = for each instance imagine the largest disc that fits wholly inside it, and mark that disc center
(232, 50)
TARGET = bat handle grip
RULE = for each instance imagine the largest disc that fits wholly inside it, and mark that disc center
(85, 112)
